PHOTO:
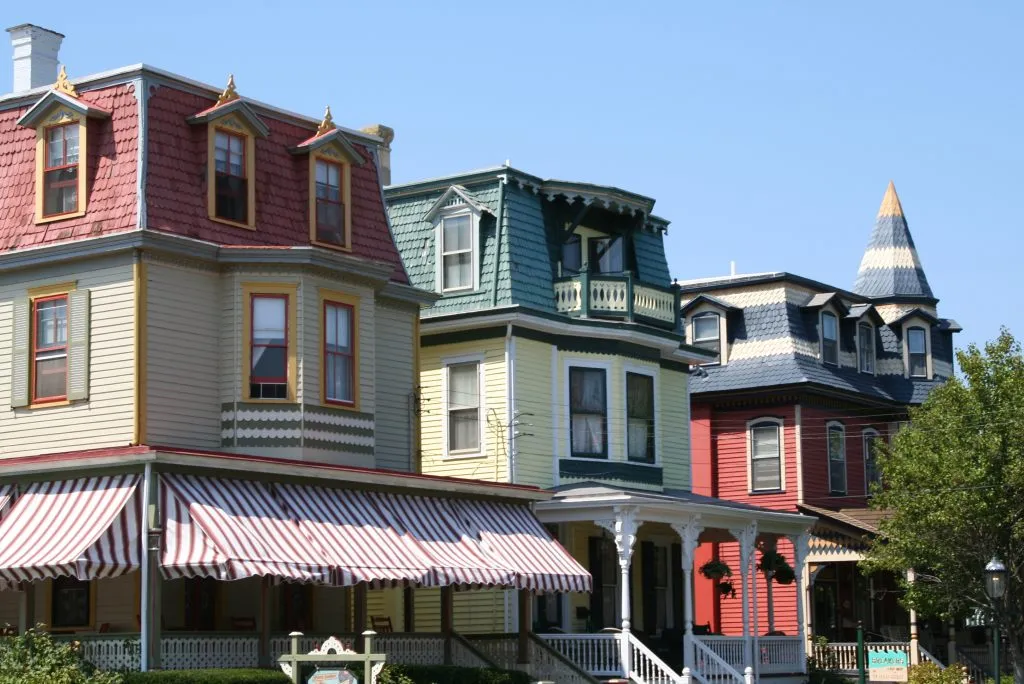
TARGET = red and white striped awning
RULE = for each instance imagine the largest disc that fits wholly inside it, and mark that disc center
(231, 529)
(6, 498)
(86, 528)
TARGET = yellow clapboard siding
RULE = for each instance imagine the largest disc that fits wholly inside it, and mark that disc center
(674, 439)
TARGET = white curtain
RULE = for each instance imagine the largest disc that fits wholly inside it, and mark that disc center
(587, 403)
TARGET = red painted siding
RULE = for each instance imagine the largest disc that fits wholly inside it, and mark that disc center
(784, 597)
(731, 457)
(815, 455)
(111, 161)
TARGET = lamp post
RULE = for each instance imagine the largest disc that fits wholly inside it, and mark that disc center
(995, 587)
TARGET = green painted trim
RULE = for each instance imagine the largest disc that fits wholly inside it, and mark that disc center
(600, 469)
(473, 335)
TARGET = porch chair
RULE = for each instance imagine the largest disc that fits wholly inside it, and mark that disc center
(381, 624)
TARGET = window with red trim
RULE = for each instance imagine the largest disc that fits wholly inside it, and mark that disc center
(339, 358)
(268, 374)
(330, 205)
(50, 348)
(60, 172)
(232, 187)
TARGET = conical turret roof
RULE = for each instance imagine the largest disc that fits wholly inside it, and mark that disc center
(890, 267)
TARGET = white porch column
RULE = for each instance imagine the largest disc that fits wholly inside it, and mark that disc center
(951, 646)
(915, 651)
(624, 528)
(690, 535)
(746, 536)
(800, 543)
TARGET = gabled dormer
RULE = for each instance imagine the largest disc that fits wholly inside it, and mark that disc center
(866, 321)
(707, 325)
(829, 310)
(455, 218)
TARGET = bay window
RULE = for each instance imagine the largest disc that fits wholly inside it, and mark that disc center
(463, 407)
(339, 353)
(640, 417)
(588, 411)
(268, 370)
(836, 458)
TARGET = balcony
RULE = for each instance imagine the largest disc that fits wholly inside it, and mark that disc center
(618, 297)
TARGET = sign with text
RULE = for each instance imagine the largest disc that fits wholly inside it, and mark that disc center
(887, 666)
(332, 677)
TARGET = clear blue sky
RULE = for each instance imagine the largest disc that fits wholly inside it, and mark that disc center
(767, 131)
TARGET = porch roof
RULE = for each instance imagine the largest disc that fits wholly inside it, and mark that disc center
(589, 501)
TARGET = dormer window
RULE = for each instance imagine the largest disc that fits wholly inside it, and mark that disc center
(917, 352)
(707, 333)
(330, 205)
(60, 175)
(866, 347)
(456, 253)
(572, 255)
(456, 219)
(606, 255)
(231, 188)
(829, 338)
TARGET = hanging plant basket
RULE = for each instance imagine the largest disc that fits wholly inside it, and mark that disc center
(773, 564)
(715, 570)
(726, 589)
(785, 574)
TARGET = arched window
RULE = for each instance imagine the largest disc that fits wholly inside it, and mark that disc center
(866, 347)
(765, 454)
(836, 458)
(829, 338)
(872, 476)
(707, 333)
(917, 352)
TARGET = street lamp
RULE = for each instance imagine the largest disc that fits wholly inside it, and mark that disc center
(995, 587)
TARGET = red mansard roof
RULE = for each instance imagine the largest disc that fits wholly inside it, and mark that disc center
(111, 169)
(176, 187)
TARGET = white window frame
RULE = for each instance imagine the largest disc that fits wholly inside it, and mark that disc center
(924, 325)
(781, 424)
(457, 211)
(723, 328)
(821, 337)
(445, 364)
(828, 455)
(652, 373)
(874, 349)
(606, 366)
(864, 435)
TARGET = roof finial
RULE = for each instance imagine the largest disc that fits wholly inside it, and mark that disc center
(890, 203)
(63, 85)
(229, 93)
(327, 125)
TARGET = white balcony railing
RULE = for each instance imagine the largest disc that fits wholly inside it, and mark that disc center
(616, 296)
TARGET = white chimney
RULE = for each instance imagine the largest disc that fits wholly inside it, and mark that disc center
(35, 56)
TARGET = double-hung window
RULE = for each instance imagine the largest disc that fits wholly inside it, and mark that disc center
(866, 347)
(70, 603)
(457, 252)
(640, 417)
(572, 255)
(765, 456)
(836, 458)
(330, 206)
(49, 348)
(917, 352)
(60, 172)
(268, 371)
(588, 410)
(463, 407)
(829, 338)
(339, 353)
(707, 333)
(872, 476)
(231, 187)
(606, 255)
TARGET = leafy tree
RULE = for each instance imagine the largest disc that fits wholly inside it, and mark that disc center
(35, 658)
(953, 482)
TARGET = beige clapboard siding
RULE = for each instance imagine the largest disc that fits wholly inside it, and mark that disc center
(184, 319)
(476, 611)
(533, 395)
(674, 428)
(395, 349)
(107, 418)
(311, 327)
(492, 465)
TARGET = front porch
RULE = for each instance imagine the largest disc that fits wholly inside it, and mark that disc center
(638, 622)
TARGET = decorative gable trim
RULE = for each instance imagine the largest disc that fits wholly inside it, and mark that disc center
(444, 202)
(38, 112)
(721, 304)
(857, 312)
(823, 299)
(334, 138)
(914, 313)
(237, 107)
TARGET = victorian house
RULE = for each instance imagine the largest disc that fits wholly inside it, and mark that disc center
(806, 379)
(555, 357)
(208, 355)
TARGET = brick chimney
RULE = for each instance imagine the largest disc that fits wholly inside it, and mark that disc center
(35, 56)
(388, 135)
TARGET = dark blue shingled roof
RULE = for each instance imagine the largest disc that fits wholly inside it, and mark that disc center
(891, 267)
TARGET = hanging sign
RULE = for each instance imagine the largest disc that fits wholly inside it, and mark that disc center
(332, 677)
(887, 666)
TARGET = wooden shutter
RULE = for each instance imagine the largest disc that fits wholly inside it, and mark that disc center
(78, 345)
(21, 334)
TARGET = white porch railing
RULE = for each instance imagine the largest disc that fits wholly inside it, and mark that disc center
(652, 303)
(191, 652)
(729, 648)
(546, 664)
(115, 652)
(780, 655)
(711, 668)
(568, 296)
(649, 668)
(596, 654)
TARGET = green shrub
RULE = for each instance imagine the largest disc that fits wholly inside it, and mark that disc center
(930, 673)
(449, 674)
(35, 658)
(239, 676)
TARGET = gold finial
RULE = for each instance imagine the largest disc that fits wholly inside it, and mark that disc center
(63, 85)
(229, 93)
(890, 203)
(327, 125)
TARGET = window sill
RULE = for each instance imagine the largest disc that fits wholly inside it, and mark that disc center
(463, 456)
(60, 217)
(236, 224)
(461, 292)
(48, 404)
(838, 494)
(328, 245)
(649, 464)
(258, 400)
(343, 405)
(762, 492)
(590, 457)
